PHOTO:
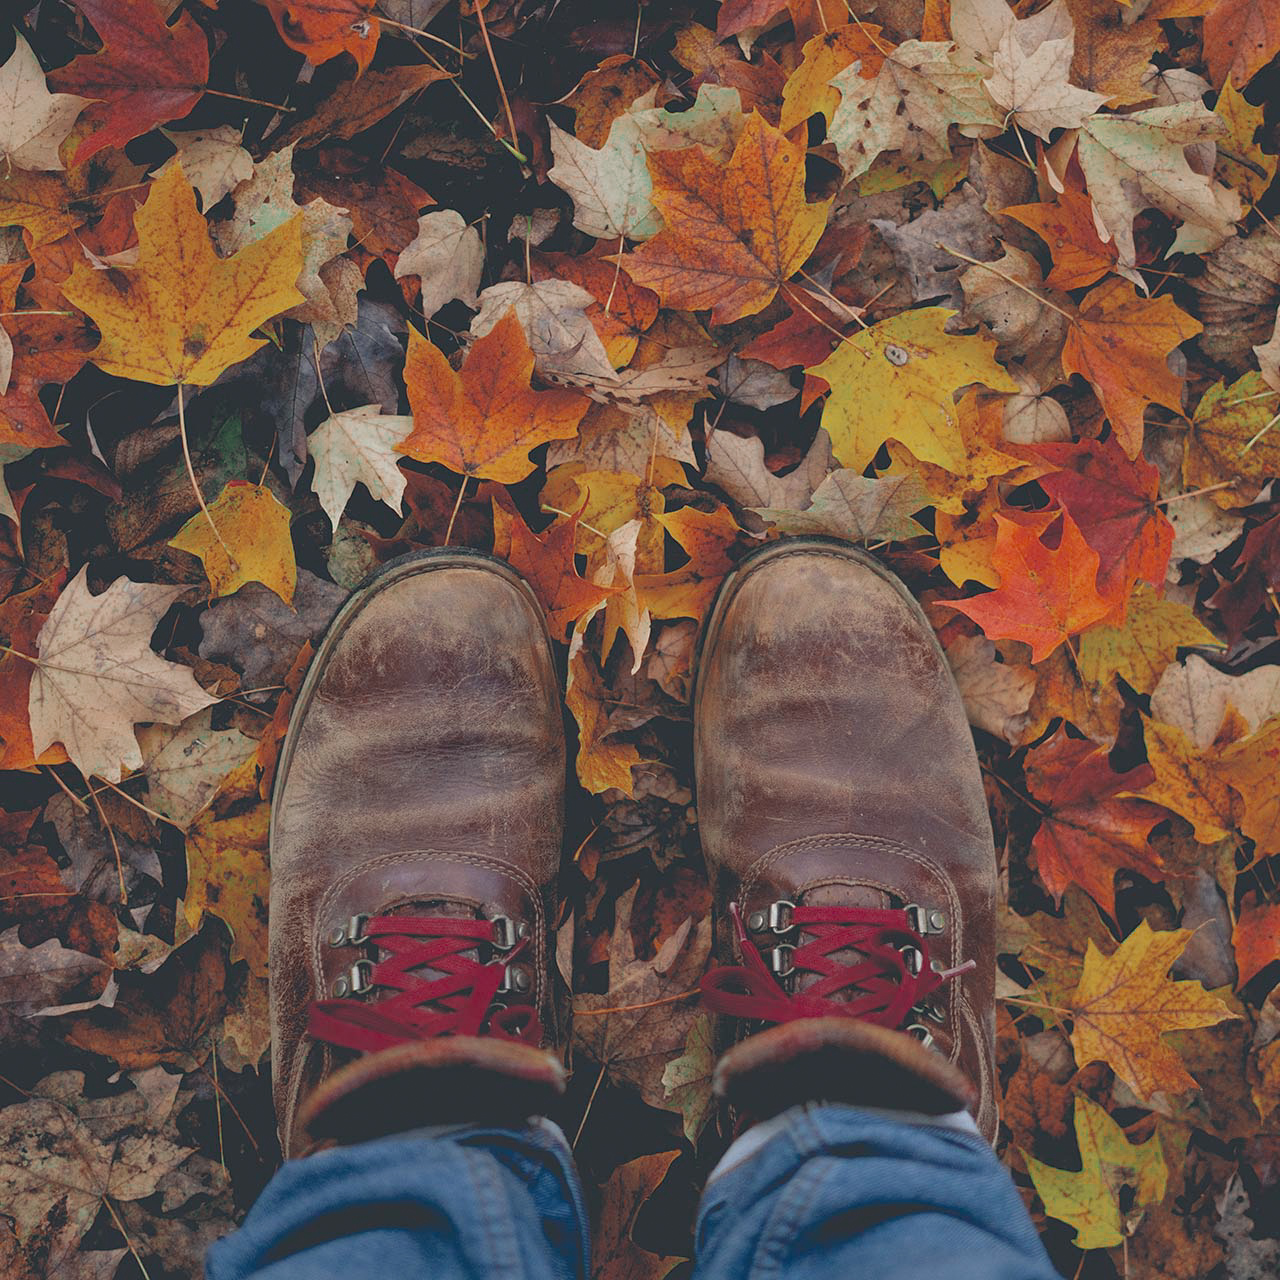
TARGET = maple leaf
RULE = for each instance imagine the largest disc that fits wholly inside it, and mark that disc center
(1113, 500)
(447, 257)
(1089, 1200)
(183, 314)
(145, 73)
(605, 93)
(852, 506)
(1248, 168)
(614, 1253)
(1188, 781)
(898, 380)
(1067, 226)
(227, 877)
(324, 29)
(34, 123)
(244, 538)
(611, 187)
(185, 766)
(1195, 697)
(732, 235)
(1044, 595)
(686, 1080)
(1240, 38)
(484, 420)
(809, 90)
(687, 592)
(996, 695)
(1138, 161)
(21, 618)
(358, 446)
(59, 1147)
(1125, 1003)
(1251, 766)
(1231, 439)
(1120, 344)
(96, 676)
(600, 764)
(736, 465)
(547, 564)
(1256, 940)
(1087, 832)
(920, 90)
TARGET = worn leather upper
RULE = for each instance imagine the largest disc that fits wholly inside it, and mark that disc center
(423, 770)
(835, 765)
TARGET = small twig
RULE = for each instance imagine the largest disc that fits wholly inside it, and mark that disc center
(75, 799)
(217, 1107)
(582, 524)
(426, 35)
(111, 835)
(631, 1008)
(457, 506)
(6, 314)
(124, 795)
(595, 1089)
(137, 1257)
(844, 306)
(1195, 493)
(1260, 433)
(256, 102)
(502, 88)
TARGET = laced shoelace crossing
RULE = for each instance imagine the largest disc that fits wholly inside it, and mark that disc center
(878, 987)
(406, 1006)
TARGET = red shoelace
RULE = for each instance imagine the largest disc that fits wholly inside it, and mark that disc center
(878, 987)
(405, 1006)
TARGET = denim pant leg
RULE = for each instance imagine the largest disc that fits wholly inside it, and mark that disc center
(442, 1203)
(839, 1192)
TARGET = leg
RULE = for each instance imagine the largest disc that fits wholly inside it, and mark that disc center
(854, 873)
(834, 1191)
(465, 1202)
(417, 1019)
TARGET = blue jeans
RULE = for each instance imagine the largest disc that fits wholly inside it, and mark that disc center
(823, 1191)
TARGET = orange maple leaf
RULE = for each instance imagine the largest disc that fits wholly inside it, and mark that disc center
(483, 420)
(1120, 343)
(1240, 38)
(322, 29)
(1125, 1002)
(1256, 940)
(1079, 255)
(549, 567)
(686, 592)
(1044, 595)
(21, 618)
(1087, 832)
(733, 235)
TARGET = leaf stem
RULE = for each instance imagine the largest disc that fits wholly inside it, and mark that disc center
(191, 475)
(457, 506)
(1195, 493)
(254, 102)
(426, 35)
(502, 88)
(1260, 433)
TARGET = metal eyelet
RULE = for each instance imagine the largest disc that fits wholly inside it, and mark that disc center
(780, 962)
(356, 981)
(351, 934)
(515, 978)
(925, 920)
(930, 1009)
(913, 958)
(921, 1033)
(780, 915)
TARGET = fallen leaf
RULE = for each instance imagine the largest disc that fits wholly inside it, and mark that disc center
(610, 186)
(1188, 781)
(1240, 38)
(1256, 940)
(614, 1253)
(1125, 1003)
(858, 509)
(809, 90)
(1088, 832)
(898, 381)
(484, 421)
(34, 978)
(358, 446)
(324, 29)
(996, 695)
(1080, 256)
(183, 314)
(34, 123)
(732, 235)
(186, 766)
(1194, 696)
(244, 538)
(1044, 596)
(97, 676)
(146, 72)
(601, 765)
(447, 257)
(213, 160)
(1251, 767)
(686, 1080)
(1242, 162)
(736, 465)
(1231, 439)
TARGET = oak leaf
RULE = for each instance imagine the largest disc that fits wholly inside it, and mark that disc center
(1120, 344)
(34, 123)
(146, 72)
(484, 420)
(1089, 1200)
(245, 537)
(898, 380)
(733, 235)
(1088, 832)
(1044, 595)
(183, 314)
(358, 446)
(97, 676)
(920, 91)
(1125, 1003)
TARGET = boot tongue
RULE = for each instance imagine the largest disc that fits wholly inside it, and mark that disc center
(847, 895)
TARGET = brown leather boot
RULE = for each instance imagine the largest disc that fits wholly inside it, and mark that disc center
(845, 826)
(415, 841)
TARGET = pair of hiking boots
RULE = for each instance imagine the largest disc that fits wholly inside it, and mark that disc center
(417, 832)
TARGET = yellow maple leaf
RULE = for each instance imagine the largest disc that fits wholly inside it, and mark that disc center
(1252, 766)
(227, 876)
(183, 314)
(247, 541)
(1125, 1003)
(898, 381)
(1187, 781)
